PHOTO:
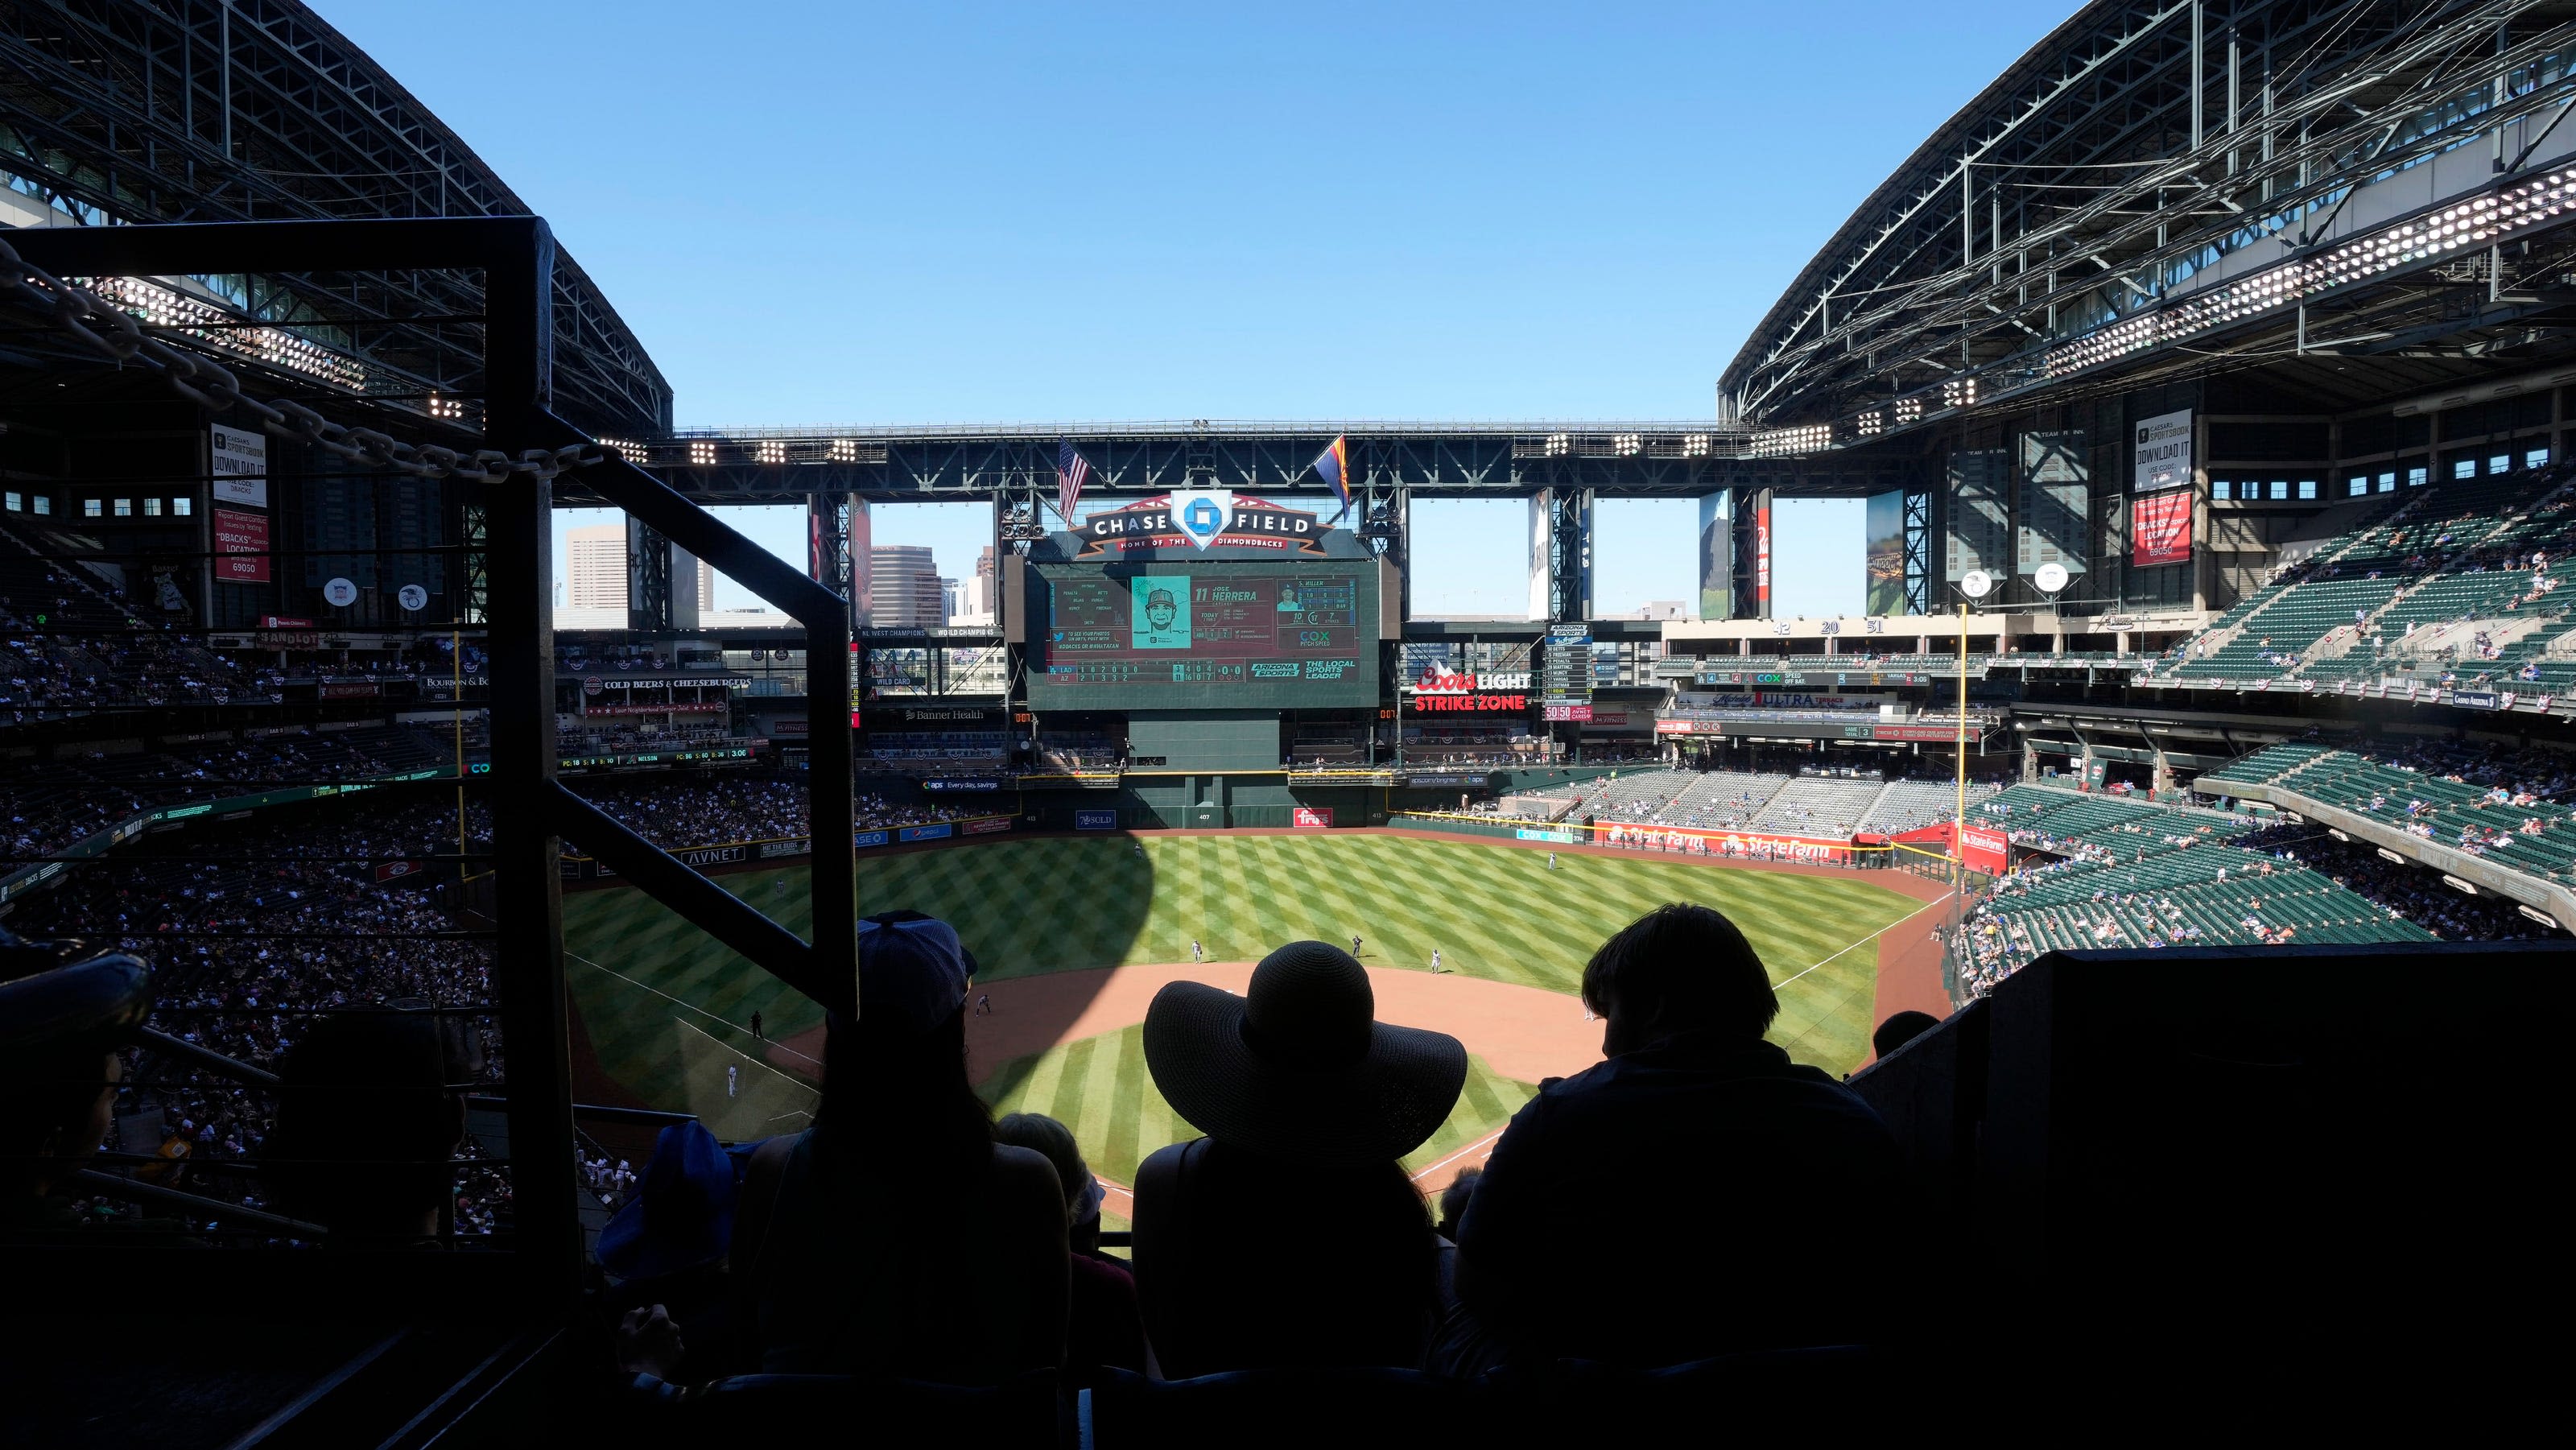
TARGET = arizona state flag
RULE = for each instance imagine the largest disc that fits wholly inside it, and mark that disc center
(1334, 463)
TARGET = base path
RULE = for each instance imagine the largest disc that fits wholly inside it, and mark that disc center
(1521, 1032)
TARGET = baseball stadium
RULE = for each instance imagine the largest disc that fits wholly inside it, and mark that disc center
(1183, 985)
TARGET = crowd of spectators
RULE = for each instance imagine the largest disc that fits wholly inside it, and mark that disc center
(2413, 892)
(44, 673)
(675, 812)
(255, 934)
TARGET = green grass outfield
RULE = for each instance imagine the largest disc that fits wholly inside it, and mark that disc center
(666, 1007)
(1099, 1085)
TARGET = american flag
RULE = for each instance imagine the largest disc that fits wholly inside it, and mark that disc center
(1071, 472)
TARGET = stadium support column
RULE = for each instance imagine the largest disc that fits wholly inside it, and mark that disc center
(1569, 563)
(528, 965)
(648, 578)
(1919, 537)
(827, 541)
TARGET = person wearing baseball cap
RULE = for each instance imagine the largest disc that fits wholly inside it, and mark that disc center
(895, 1235)
(1290, 1234)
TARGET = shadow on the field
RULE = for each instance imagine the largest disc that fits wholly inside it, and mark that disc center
(652, 988)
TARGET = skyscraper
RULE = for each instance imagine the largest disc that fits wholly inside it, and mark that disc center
(595, 557)
(906, 591)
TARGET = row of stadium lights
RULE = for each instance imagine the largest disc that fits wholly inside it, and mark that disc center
(202, 321)
(1626, 445)
(2478, 222)
(1898, 413)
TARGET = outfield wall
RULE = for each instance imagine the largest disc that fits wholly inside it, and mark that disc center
(1739, 845)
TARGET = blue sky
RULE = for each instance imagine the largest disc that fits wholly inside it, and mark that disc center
(821, 213)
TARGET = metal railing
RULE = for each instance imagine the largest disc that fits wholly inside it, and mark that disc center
(528, 446)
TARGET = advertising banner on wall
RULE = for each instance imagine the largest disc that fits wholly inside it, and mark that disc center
(2160, 529)
(1311, 817)
(1716, 557)
(240, 469)
(2056, 503)
(1727, 843)
(1542, 529)
(1095, 820)
(241, 546)
(2160, 452)
(1984, 850)
(1884, 553)
(1980, 524)
(1762, 556)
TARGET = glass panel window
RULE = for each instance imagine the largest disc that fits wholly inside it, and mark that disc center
(91, 508)
(152, 508)
(2219, 487)
(2388, 483)
(2418, 477)
(2464, 468)
(125, 508)
(15, 503)
(2360, 486)
(183, 506)
(44, 503)
(2500, 463)
(2280, 488)
(2307, 488)
(2535, 458)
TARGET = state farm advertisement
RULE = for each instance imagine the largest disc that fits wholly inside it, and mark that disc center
(1985, 850)
(1736, 844)
(241, 546)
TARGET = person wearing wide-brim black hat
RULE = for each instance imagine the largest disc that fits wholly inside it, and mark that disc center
(1290, 1234)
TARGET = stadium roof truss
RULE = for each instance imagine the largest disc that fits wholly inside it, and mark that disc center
(1430, 460)
(114, 112)
(2174, 187)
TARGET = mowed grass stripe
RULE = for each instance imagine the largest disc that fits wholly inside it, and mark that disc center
(1055, 904)
(1119, 1128)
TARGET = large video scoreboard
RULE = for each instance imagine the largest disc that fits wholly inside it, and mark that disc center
(1204, 634)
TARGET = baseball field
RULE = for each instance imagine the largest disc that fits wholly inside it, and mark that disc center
(1072, 934)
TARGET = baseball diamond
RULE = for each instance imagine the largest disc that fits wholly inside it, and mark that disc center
(666, 1009)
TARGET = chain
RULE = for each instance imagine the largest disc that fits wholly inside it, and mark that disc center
(112, 333)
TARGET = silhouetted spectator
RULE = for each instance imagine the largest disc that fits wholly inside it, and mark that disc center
(1691, 1107)
(59, 1029)
(367, 1129)
(1899, 1029)
(1290, 1234)
(668, 1245)
(895, 1236)
(1454, 1200)
(1105, 1326)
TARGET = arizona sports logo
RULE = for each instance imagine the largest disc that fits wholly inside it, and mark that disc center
(1201, 518)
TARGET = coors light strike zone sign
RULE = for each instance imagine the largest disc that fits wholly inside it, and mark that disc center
(1439, 691)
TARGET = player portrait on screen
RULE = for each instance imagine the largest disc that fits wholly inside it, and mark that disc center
(1288, 600)
(1160, 618)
